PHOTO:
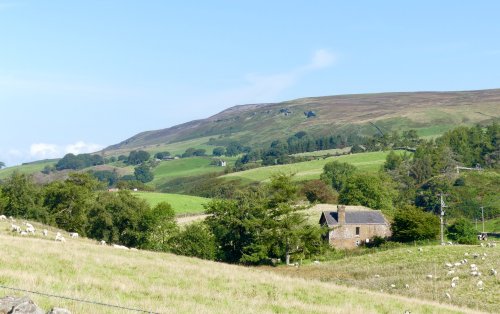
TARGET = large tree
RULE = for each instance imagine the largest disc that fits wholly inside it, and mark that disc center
(22, 198)
(336, 174)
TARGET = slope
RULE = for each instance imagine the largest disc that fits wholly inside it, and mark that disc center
(429, 112)
(167, 283)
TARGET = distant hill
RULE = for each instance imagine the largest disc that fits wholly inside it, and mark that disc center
(431, 113)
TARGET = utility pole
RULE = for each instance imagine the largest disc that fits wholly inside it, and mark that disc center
(482, 216)
(442, 206)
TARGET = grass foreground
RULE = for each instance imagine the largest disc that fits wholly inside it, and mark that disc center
(165, 283)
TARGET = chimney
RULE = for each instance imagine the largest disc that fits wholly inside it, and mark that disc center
(341, 214)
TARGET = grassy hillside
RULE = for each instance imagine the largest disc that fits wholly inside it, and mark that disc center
(167, 283)
(409, 266)
(182, 204)
(368, 162)
(431, 113)
(185, 167)
(26, 168)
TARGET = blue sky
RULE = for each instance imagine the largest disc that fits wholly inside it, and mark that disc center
(76, 76)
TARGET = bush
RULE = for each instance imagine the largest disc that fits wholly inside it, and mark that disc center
(412, 224)
(195, 240)
(463, 232)
(319, 191)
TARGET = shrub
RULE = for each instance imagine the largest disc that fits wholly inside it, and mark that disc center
(319, 191)
(412, 224)
(463, 232)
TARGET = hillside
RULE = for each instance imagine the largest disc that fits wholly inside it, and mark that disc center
(167, 283)
(431, 113)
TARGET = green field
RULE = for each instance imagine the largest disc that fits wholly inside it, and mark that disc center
(492, 225)
(165, 283)
(182, 204)
(185, 167)
(366, 162)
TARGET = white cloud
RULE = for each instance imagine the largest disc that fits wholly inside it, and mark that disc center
(44, 150)
(81, 147)
(265, 88)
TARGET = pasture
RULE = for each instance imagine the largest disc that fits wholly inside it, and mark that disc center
(165, 283)
(391, 270)
(365, 162)
(182, 204)
(26, 168)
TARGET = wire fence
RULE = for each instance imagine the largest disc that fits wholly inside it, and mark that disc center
(79, 300)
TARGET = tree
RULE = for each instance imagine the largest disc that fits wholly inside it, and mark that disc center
(69, 202)
(319, 191)
(194, 240)
(392, 161)
(161, 227)
(143, 173)
(369, 190)
(137, 157)
(162, 155)
(2, 164)
(336, 173)
(218, 151)
(118, 218)
(413, 224)
(463, 232)
(22, 198)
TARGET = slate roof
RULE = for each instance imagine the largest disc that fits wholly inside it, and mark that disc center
(372, 217)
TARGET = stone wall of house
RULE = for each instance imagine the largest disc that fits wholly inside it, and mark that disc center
(345, 236)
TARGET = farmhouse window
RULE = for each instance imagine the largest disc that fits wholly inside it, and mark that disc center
(357, 231)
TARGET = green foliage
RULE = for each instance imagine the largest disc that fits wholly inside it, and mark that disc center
(374, 191)
(137, 157)
(162, 155)
(262, 224)
(160, 226)
(68, 203)
(143, 173)
(219, 151)
(463, 232)
(190, 152)
(319, 191)
(336, 173)
(413, 224)
(195, 240)
(2, 164)
(392, 161)
(110, 178)
(22, 198)
(70, 161)
(117, 218)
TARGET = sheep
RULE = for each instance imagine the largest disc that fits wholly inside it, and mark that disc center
(493, 272)
(28, 225)
(3, 217)
(449, 243)
(475, 255)
(430, 276)
(454, 279)
(453, 284)
(451, 272)
(45, 232)
(15, 228)
(407, 286)
(466, 254)
(457, 264)
(30, 230)
(480, 284)
(316, 262)
(73, 234)
(449, 265)
(447, 295)
(60, 238)
(420, 249)
(102, 242)
(393, 286)
(377, 276)
(121, 247)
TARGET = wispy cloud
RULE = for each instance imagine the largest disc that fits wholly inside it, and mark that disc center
(260, 87)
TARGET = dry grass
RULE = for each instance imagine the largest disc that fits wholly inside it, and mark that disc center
(409, 266)
(172, 284)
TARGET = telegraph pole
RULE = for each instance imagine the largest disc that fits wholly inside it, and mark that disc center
(442, 206)
(482, 216)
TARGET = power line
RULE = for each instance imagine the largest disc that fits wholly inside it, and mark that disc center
(79, 300)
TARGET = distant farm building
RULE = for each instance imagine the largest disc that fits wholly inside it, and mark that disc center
(350, 226)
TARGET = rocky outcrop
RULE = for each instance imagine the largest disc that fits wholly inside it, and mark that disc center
(24, 305)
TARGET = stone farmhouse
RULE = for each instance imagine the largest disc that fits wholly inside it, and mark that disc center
(349, 226)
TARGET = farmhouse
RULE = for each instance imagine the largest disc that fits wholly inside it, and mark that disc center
(351, 226)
